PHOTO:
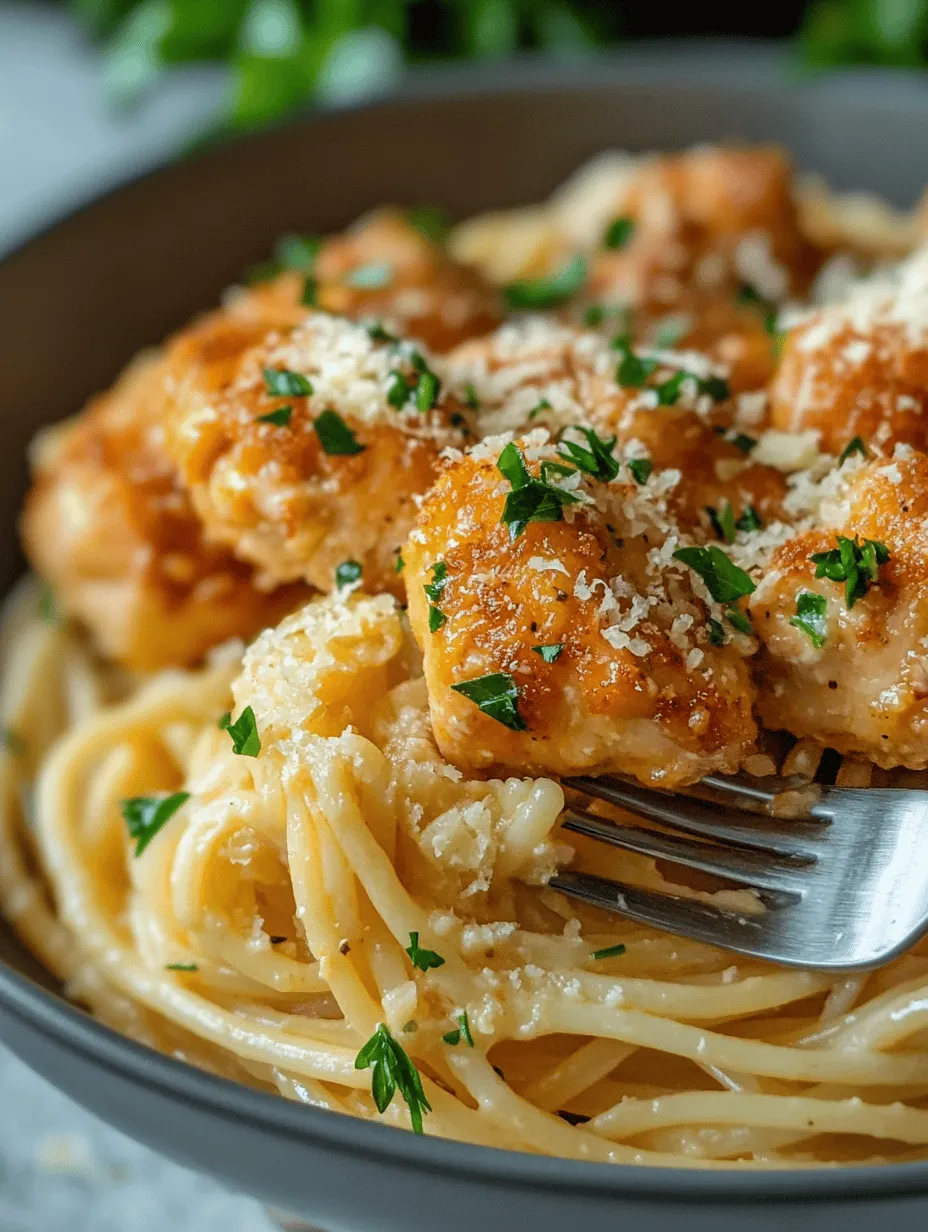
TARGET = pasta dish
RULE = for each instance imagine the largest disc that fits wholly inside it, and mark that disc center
(334, 589)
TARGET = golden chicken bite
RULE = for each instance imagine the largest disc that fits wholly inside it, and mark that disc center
(844, 656)
(384, 268)
(577, 645)
(107, 524)
(859, 368)
(536, 371)
(311, 453)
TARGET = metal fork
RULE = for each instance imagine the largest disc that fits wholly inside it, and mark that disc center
(843, 887)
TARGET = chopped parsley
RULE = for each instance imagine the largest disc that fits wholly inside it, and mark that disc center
(641, 469)
(12, 741)
(335, 437)
(430, 221)
(767, 308)
(378, 333)
(538, 293)
(471, 397)
(671, 330)
(497, 695)
(309, 296)
(550, 653)
(427, 391)
(723, 521)
(279, 418)
(146, 815)
(855, 564)
(439, 581)
(298, 252)
(543, 405)
(244, 733)
(716, 632)
(739, 620)
(715, 386)
(668, 392)
(531, 499)
(619, 232)
(347, 573)
(598, 460)
(398, 388)
(372, 277)
(463, 1032)
(282, 383)
(593, 315)
(632, 371)
(392, 1071)
(811, 616)
(749, 520)
(611, 951)
(400, 563)
(738, 439)
(424, 960)
(437, 618)
(181, 967)
(724, 580)
(852, 447)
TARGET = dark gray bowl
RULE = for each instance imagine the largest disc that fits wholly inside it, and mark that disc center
(75, 304)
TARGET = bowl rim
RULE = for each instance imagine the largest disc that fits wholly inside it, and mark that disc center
(754, 66)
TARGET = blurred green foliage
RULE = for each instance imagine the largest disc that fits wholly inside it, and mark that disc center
(889, 32)
(284, 52)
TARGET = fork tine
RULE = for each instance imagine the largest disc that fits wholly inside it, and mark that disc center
(753, 868)
(746, 934)
(792, 839)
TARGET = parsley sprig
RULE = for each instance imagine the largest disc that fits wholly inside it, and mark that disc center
(598, 461)
(146, 815)
(811, 616)
(392, 1071)
(244, 733)
(433, 591)
(463, 1032)
(422, 959)
(855, 564)
(497, 695)
(335, 437)
(531, 499)
(853, 446)
(538, 293)
(283, 383)
(725, 581)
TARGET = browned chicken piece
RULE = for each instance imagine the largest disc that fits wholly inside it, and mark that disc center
(539, 372)
(384, 269)
(312, 451)
(711, 245)
(860, 367)
(844, 656)
(577, 645)
(110, 528)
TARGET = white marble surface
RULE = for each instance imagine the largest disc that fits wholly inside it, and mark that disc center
(62, 1170)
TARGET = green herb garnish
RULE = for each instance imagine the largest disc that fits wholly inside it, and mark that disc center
(641, 469)
(437, 618)
(400, 563)
(812, 616)
(611, 951)
(181, 967)
(463, 1032)
(594, 315)
(279, 418)
(347, 573)
(146, 815)
(430, 221)
(244, 732)
(392, 1071)
(398, 387)
(739, 620)
(716, 632)
(598, 460)
(767, 308)
(531, 499)
(427, 391)
(540, 293)
(425, 960)
(723, 521)
(439, 581)
(335, 437)
(852, 447)
(671, 330)
(377, 333)
(309, 296)
(282, 383)
(724, 580)
(372, 277)
(471, 398)
(749, 520)
(297, 252)
(550, 653)
(48, 606)
(632, 371)
(855, 564)
(619, 232)
(543, 405)
(497, 695)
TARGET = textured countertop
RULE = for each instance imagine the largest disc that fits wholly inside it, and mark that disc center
(60, 1168)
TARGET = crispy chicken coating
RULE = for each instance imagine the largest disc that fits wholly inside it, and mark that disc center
(312, 452)
(844, 656)
(860, 367)
(579, 645)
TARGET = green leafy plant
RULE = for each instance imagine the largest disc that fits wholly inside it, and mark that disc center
(889, 32)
